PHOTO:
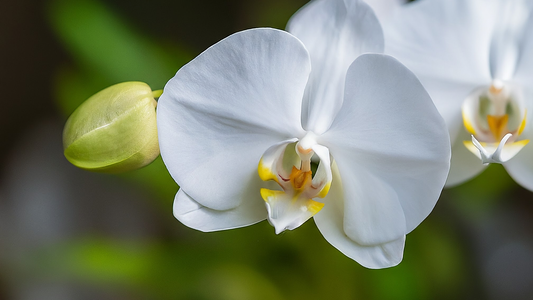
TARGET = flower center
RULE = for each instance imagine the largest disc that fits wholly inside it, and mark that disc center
(290, 168)
(495, 116)
(300, 179)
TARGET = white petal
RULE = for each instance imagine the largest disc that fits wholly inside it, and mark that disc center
(510, 24)
(334, 32)
(520, 167)
(199, 217)
(443, 40)
(385, 8)
(464, 165)
(271, 166)
(448, 97)
(329, 222)
(373, 211)
(323, 175)
(390, 139)
(524, 67)
(222, 110)
(510, 150)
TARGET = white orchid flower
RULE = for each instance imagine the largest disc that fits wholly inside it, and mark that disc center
(241, 126)
(475, 57)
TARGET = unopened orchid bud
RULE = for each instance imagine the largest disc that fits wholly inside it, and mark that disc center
(114, 130)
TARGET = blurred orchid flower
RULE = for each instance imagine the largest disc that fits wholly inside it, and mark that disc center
(475, 57)
(251, 104)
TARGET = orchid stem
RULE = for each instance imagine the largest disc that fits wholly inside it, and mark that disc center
(157, 93)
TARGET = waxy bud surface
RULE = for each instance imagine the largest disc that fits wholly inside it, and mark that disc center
(114, 130)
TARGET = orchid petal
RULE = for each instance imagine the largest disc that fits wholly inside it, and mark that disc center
(520, 167)
(449, 52)
(524, 66)
(385, 8)
(222, 110)
(323, 175)
(448, 96)
(510, 25)
(464, 164)
(271, 166)
(512, 149)
(334, 32)
(392, 147)
(199, 217)
(329, 222)
(443, 40)
(374, 214)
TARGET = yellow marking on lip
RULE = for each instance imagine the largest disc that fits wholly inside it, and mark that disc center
(267, 194)
(272, 197)
(497, 125)
(468, 125)
(314, 206)
(521, 143)
(516, 145)
(470, 146)
(523, 124)
(325, 190)
(265, 173)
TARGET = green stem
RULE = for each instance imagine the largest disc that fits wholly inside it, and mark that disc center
(157, 93)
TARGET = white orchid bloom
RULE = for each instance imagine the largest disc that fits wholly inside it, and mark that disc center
(250, 109)
(475, 57)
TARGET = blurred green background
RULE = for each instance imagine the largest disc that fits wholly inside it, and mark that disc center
(71, 234)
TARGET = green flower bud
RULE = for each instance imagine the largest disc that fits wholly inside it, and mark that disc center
(115, 130)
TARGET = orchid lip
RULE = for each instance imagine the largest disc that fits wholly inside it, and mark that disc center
(487, 157)
(295, 203)
(495, 153)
